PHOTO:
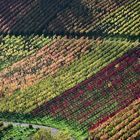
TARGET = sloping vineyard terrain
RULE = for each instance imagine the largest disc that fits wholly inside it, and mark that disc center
(72, 65)
(71, 17)
(124, 125)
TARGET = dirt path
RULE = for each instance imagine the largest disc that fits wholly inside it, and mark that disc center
(53, 130)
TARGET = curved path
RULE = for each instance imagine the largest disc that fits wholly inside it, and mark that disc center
(53, 130)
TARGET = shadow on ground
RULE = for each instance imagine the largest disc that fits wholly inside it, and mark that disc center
(73, 18)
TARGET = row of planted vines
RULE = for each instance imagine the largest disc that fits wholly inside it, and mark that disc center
(70, 64)
(14, 48)
(46, 74)
(71, 17)
(124, 125)
(93, 101)
(43, 62)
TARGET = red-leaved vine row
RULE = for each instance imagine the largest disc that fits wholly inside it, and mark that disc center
(93, 101)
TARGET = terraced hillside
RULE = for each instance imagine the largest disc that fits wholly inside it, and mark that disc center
(71, 64)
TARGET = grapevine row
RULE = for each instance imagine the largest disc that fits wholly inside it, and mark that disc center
(71, 17)
(91, 102)
(124, 125)
(101, 54)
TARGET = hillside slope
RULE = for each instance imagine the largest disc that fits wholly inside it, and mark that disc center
(70, 64)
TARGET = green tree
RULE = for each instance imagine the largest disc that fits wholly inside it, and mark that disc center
(62, 135)
(42, 134)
